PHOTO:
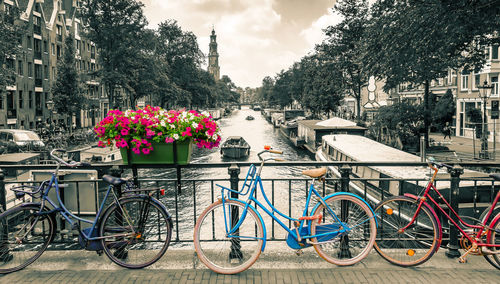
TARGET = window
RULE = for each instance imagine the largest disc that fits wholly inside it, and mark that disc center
(30, 100)
(465, 81)
(494, 83)
(54, 73)
(29, 43)
(46, 71)
(11, 64)
(53, 48)
(20, 68)
(1, 102)
(494, 52)
(476, 82)
(30, 69)
(21, 103)
(45, 46)
(59, 53)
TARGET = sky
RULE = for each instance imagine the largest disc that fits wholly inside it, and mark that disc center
(256, 38)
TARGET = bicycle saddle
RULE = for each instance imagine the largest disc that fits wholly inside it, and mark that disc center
(113, 180)
(315, 173)
(495, 176)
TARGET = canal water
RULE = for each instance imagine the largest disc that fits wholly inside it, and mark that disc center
(196, 194)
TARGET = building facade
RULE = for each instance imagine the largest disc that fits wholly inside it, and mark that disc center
(213, 57)
(28, 103)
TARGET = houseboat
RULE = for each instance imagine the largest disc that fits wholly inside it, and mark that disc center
(98, 155)
(268, 112)
(235, 147)
(289, 129)
(311, 131)
(473, 198)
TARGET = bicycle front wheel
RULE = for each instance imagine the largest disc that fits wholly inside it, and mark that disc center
(24, 236)
(494, 239)
(349, 247)
(136, 232)
(220, 252)
(413, 246)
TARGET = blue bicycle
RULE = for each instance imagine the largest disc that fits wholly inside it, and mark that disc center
(134, 230)
(230, 234)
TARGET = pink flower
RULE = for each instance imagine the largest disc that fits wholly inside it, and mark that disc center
(100, 144)
(124, 131)
(169, 140)
(187, 132)
(136, 150)
(145, 151)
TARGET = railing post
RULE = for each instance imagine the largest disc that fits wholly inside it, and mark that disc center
(234, 171)
(345, 172)
(454, 196)
(3, 200)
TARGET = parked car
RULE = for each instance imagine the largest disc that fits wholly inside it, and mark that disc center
(16, 140)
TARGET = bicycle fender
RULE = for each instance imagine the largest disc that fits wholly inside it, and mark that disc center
(350, 194)
(440, 238)
(260, 219)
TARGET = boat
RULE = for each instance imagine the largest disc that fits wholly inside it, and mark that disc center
(249, 117)
(98, 155)
(235, 147)
(387, 181)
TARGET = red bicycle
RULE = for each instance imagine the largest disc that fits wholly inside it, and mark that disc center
(412, 232)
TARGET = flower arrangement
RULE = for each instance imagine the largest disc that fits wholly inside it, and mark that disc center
(136, 129)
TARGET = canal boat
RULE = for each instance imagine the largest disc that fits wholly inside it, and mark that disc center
(249, 117)
(235, 147)
(98, 155)
(378, 181)
(289, 130)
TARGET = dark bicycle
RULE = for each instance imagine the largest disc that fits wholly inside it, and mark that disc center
(134, 231)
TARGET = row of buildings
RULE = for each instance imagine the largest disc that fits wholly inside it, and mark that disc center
(465, 87)
(28, 103)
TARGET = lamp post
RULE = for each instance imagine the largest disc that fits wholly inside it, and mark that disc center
(483, 93)
(50, 107)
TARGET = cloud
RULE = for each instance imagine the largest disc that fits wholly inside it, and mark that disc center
(315, 34)
(255, 38)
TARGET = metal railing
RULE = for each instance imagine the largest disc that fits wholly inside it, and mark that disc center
(186, 198)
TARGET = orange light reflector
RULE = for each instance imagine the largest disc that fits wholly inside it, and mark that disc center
(389, 211)
(267, 147)
(162, 191)
(410, 252)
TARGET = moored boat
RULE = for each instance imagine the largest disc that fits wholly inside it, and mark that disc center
(235, 147)
(249, 117)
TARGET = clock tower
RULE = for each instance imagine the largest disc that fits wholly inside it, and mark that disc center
(213, 57)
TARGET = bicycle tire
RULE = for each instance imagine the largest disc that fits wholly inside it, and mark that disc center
(489, 258)
(152, 232)
(494, 239)
(349, 248)
(18, 220)
(420, 240)
(217, 251)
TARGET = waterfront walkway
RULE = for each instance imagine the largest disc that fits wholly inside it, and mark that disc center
(463, 147)
(274, 266)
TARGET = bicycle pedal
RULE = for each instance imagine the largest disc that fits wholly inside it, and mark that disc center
(462, 260)
(299, 252)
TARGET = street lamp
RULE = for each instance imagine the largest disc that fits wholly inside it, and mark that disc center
(483, 93)
(50, 107)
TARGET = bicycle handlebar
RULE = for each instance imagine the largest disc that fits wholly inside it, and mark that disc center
(439, 165)
(268, 149)
(71, 164)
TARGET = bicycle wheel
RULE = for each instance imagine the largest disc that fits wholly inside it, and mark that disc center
(23, 237)
(350, 247)
(223, 254)
(417, 243)
(137, 233)
(491, 260)
(494, 239)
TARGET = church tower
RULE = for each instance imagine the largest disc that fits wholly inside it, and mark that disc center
(213, 57)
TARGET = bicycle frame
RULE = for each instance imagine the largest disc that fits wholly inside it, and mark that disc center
(257, 181)
(68, 216)
(426, 196)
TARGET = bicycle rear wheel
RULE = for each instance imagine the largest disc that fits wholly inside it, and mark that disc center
(350, 247)
(223, 254)
(137, 233)
(494, 239)
(23, 237)
(417, 243)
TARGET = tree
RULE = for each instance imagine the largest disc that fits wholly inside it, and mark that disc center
(67, 90)
(344, 46)
(11, 30)
(114, 26)
(419, 42)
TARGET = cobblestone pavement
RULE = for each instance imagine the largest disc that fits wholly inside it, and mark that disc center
(182, 266)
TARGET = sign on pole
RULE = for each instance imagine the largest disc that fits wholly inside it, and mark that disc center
(494, 109)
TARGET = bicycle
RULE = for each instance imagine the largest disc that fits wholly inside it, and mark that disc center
(341, 226)
(134, 231)
(412, 232)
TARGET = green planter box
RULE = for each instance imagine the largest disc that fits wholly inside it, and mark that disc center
(162, 154)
